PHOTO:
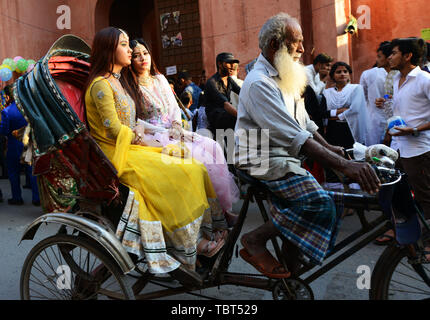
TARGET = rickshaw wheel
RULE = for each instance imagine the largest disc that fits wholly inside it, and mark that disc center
(66, 267)
(395, 278)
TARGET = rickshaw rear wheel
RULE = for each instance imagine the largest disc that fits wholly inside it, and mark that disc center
(66, 267)
(394, 277)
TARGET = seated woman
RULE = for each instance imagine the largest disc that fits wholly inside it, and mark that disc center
(162, 118)
(172, 210)
(346, 107)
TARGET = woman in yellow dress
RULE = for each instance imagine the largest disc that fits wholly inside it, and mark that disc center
(172, 212)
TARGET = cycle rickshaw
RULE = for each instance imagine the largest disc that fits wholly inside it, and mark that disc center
(90, 259)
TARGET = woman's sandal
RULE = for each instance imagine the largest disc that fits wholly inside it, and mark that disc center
(209, 248)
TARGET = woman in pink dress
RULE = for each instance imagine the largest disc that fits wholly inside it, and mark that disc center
(162, 120)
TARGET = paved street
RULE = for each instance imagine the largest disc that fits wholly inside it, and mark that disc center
(339, 283)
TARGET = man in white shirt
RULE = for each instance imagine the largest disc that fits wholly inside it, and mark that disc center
(317, 73)
(317, 76)
(373, 81)
(411, 101)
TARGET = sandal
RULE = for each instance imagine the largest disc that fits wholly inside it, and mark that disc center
(209, 248)
(265, 263)
(384, 242)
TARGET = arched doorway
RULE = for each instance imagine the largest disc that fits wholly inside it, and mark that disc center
(138, 19)
(134, 16)
(142, 19)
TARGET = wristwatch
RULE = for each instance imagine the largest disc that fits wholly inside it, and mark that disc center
(415, 132)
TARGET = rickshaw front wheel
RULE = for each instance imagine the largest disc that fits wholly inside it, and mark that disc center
(66, 267)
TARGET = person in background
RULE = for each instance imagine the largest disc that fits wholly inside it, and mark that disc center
(219, 111)
(411, 101)
(187, 116)
(233, 74)
(346, 109)
(186, 84)
(317, 73)
(373, 83)
(426, 61)
(12, 123)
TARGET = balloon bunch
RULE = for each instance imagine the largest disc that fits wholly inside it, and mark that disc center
(17, 64)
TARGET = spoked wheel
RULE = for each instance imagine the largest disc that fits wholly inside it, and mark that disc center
(65, 267)
(395, 278)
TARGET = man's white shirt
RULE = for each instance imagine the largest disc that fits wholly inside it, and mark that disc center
(314, 79)
(412, 102)
(373, 81)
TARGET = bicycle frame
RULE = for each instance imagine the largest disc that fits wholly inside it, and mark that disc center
(221, 276)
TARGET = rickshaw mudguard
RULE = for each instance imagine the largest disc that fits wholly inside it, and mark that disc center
(94, 230)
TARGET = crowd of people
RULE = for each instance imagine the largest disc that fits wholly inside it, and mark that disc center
(183, 209)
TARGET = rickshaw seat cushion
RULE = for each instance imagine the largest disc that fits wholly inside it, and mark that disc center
(245, 178)
(73, 97)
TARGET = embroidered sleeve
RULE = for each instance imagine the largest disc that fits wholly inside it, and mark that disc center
(103, 98)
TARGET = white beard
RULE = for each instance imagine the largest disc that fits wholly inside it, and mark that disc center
(292, 74)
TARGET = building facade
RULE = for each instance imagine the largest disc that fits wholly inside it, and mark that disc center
(188, 34)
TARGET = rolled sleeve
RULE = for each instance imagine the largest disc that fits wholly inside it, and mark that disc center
(311, 126)
(266, 107)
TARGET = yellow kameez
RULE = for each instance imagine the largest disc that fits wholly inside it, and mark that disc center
(171, 204)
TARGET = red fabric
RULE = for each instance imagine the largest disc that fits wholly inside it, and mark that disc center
(73, 96)
(315, 169)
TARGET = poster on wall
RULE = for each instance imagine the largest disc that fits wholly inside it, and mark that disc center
(166, 41)
(177, 40)
(164, 20)
(176, 15)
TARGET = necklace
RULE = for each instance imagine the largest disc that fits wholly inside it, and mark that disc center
(116, 75)
(145, 81)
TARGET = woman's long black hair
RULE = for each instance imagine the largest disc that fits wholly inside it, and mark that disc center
(103, 59)
(129, 79)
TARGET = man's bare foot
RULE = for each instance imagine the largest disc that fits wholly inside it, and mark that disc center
(256, 254)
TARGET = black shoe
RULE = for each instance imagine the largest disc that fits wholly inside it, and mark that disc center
(26, 186)
(1, 196)
(36, 203)
(15, 202)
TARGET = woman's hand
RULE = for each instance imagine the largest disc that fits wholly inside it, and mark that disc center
(139, 132)
(176, 132)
